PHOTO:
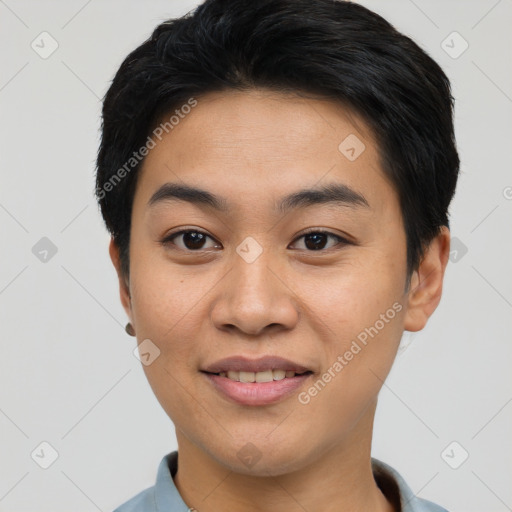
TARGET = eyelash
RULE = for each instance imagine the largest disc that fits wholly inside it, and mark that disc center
(167, 241)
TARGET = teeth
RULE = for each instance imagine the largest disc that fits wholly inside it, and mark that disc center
(279, 374)
(265, 376)
(246, 377)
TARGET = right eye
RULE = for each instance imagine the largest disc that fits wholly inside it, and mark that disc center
(188, 240)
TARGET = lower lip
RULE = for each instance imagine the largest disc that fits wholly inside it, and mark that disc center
(257, 393)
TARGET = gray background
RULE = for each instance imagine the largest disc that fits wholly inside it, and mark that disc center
(67, 369)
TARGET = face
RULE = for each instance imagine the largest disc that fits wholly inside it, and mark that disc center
(291, 259)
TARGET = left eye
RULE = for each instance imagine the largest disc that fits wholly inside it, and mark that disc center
(318, 240)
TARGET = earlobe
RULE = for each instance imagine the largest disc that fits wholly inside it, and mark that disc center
(427, 282)
(124, 290)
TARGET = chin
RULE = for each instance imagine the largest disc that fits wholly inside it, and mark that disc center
(259, 458)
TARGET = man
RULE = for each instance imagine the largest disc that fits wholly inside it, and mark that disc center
(276, 176)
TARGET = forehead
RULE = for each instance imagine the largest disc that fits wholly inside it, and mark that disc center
(261, 141)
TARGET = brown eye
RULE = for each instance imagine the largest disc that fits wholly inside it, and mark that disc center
(318, 240)
(189, 240)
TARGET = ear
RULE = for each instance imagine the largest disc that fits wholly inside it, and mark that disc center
(427, 282)
(124, 289)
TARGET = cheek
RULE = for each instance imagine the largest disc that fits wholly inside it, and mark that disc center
(364, 334)
(162, 293)
(166, 306)
(168, 310)
(362, 313)
(356, 295)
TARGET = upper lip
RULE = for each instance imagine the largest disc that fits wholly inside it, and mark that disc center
(245, 364)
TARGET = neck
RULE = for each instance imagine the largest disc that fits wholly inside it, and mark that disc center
(339, 480)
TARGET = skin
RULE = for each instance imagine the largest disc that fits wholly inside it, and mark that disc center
(252, 148)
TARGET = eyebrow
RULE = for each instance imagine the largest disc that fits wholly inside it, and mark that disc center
(337, 193)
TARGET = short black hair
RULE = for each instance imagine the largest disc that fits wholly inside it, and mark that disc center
(333, 49)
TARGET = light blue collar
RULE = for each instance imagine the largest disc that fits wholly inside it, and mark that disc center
(164, 496)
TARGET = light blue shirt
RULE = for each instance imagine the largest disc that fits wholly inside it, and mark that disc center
(164, 497)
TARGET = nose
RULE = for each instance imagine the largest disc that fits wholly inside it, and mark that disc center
(255, 299)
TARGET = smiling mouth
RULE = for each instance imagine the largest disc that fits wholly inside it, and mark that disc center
(264, 376)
